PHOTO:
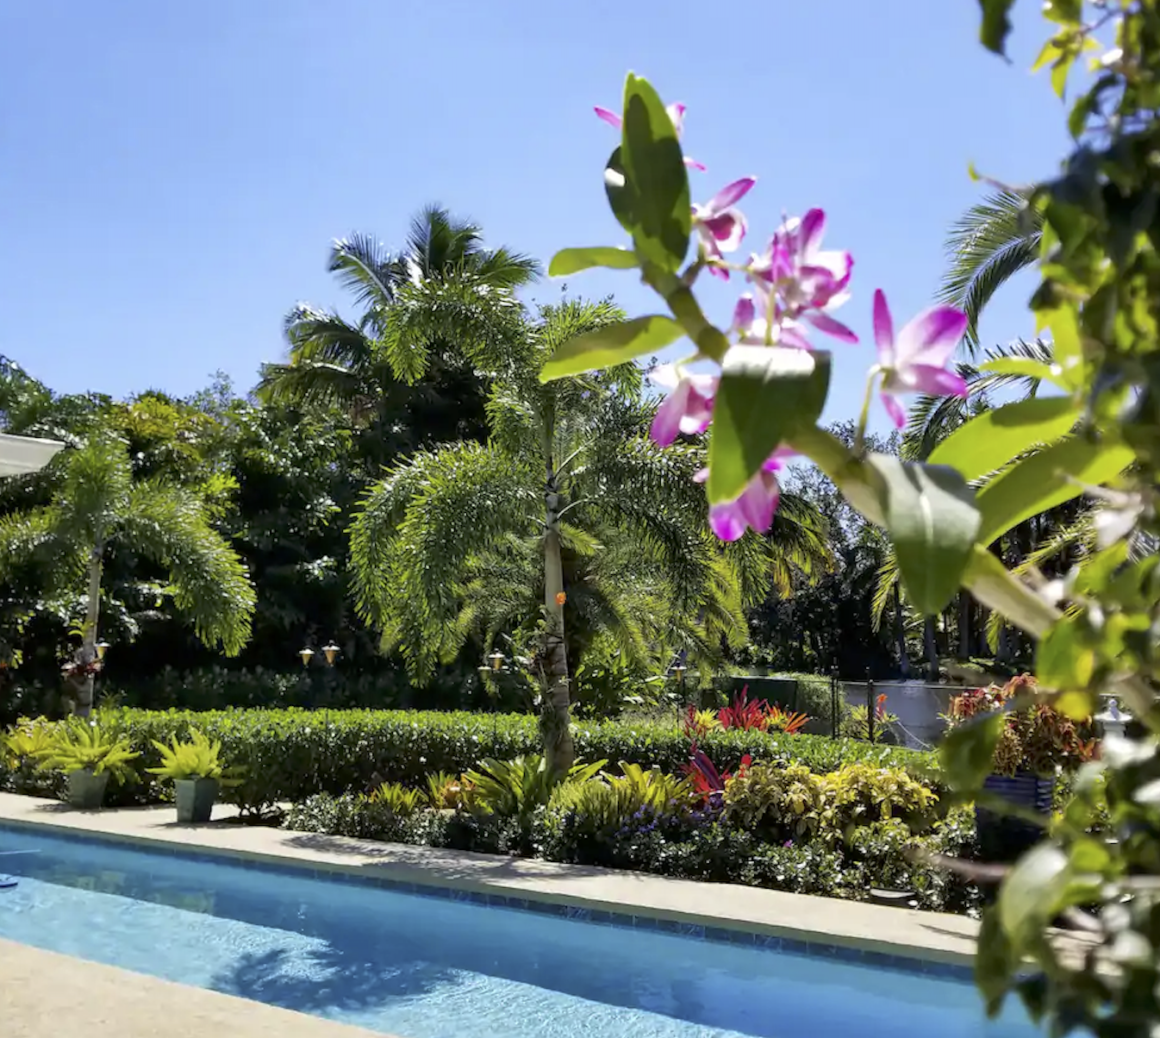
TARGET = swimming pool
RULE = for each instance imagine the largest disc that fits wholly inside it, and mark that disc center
(427, 967)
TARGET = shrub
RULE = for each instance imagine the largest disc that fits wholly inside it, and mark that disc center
(777, 803)
(599, 822)
(289, 755)
(1040, 739)
(859, 793)
(786, 803)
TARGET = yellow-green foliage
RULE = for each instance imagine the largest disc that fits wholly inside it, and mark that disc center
(609, 803)
(448, 792)
(29, 739)
(396, 799)
(791, 802)
(516, 787)
(198, 758)
(651, 787)
(78, 745)
(861, 793)
(777, 802)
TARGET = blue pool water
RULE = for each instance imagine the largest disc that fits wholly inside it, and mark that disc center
(422, 967)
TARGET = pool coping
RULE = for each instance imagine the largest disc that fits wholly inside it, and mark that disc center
(896, 939)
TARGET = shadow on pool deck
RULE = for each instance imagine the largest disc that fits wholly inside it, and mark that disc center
(434, 863)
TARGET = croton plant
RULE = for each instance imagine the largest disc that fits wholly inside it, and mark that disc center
(1039, 739)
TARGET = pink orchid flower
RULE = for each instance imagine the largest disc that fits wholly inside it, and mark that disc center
(676, 113)
(687, 409)
(811, 281)
(751, 329)
(915, 360)
(754, 508)
(719, 224)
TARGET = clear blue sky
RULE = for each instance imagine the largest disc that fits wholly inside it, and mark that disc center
(172, 173)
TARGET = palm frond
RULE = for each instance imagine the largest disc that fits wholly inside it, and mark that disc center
(990, 243)
(364, 267)
(207, 579)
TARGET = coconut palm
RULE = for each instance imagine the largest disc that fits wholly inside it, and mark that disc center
(370, 367)
(987, 246)
(98, 508)
(568, 519)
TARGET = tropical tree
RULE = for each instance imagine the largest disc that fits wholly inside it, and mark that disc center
(986, 247)
(568, 520)
(415, 306)
(98, 509)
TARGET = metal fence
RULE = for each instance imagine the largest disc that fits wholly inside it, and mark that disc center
(916, 709)
(918, 706)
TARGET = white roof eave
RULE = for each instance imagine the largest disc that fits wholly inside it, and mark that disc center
(22, 454)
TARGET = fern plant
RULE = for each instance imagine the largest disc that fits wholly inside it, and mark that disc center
(198, 758)
(82, 746)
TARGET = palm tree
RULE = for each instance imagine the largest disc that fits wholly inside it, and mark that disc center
(370, 367)
(568, 520)
(987, 246)
(97, 509)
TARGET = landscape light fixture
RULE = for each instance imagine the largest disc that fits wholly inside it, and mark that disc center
(496, 660)
(306, 655)
(331, 652)
(102, 648)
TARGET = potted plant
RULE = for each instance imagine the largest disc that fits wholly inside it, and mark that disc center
(197, 773)
(87, 756)
(1035, 745)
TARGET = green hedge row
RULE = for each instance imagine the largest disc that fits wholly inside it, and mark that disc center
(291, 754)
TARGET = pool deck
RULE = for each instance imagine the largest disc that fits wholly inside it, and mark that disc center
(45, 995)
(924, 939)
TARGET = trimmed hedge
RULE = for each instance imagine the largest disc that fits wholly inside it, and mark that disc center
(292, 754)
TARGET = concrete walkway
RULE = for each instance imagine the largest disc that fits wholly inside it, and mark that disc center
(919, 937)
(45, 995)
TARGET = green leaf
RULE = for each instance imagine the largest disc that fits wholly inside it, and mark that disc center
(612, 344)
(996, 25)
(1065, 659)
(1038, 483)
(1049, 54)
(1066, 345)
(968, 751)
(990, 440)
(1063, 12)
(655, 168)
(995, 961)
(931, 516)
(1060, 71)
(1023, 367)
(621, 194)
(765, 394)
(1032, 893)
(569, 261)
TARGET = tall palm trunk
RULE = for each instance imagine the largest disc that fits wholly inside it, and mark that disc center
(931, 645)
(964, 625)
(556, 719)
(83, 706)
(900, 634)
